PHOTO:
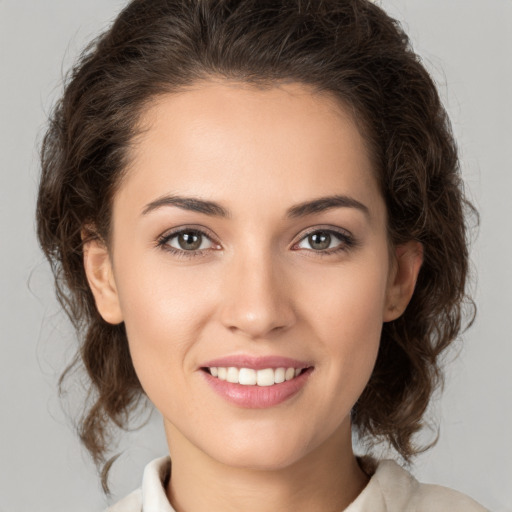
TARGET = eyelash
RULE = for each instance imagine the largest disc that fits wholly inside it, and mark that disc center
(347, 242)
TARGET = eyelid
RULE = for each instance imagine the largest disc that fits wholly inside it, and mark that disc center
(325, 227)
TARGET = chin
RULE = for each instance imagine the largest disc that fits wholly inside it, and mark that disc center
(263, 451)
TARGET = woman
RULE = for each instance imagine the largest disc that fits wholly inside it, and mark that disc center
(255, 217)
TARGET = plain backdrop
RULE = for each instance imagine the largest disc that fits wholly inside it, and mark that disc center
(467, 46)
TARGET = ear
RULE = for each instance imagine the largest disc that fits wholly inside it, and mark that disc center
(98, 269)
(403, 276)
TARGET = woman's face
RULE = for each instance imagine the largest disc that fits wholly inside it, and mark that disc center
(249, 235)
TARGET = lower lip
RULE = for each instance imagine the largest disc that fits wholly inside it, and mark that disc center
(257, 397)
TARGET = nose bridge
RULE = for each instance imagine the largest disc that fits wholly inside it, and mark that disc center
(256, 300)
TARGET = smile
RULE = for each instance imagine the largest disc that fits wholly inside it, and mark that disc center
(256, 388)
(251, 377)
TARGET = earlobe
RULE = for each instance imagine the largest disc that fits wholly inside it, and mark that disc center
(98, 269)
(408, 261)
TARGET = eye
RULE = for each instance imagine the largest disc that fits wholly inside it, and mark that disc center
(326, 241)
(188, 240)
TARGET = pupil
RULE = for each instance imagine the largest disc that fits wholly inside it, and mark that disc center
(189, 241)
(320, 240)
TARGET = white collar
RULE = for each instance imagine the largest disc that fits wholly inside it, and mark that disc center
(390, 489)
(389, 480)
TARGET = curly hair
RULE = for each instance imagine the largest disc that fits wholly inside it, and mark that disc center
(349, 48)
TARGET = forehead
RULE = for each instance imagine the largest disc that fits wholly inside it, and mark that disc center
(219, 139)
(298, 110)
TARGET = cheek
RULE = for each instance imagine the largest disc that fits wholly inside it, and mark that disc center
(345, 309)
(164, 311)
(348, 301)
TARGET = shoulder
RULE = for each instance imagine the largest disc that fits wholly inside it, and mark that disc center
(402, 491)
(435, 497)
(392, 488)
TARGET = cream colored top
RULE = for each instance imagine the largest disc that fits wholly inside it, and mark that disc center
(390, 489)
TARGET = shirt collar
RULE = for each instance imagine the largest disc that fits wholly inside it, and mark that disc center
(387, 491)
(154, 481)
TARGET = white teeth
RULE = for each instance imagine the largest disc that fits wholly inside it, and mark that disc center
(250, 377)
(232, 375)
(290, 373)
(279, 375)
(265, 377)
(247, 377)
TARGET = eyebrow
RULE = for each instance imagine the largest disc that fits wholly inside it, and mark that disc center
(216, 210)
(188, 203)
(326, 203)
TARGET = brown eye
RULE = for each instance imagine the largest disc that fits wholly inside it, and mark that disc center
(324, 241)
(188, 240)
(319, 240)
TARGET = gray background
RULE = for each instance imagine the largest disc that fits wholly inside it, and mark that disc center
(467, 45)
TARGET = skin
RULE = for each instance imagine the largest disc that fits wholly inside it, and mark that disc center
(256, 286)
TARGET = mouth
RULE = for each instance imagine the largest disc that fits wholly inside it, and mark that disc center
(264, 377)
(256, 382)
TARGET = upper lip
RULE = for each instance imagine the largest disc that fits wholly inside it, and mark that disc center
(255, 362)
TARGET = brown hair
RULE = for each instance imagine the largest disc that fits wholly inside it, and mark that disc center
(349, 48)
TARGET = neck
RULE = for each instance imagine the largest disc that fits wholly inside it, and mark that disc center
(328, 479)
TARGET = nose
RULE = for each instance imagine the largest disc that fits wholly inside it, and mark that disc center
(257, 300)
